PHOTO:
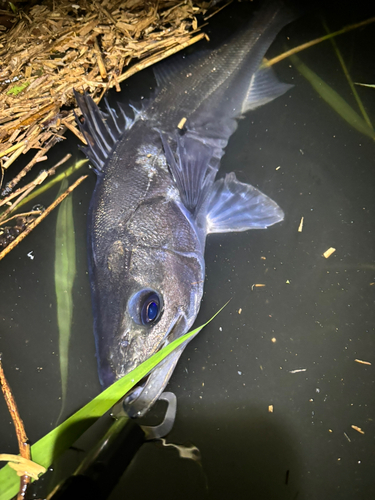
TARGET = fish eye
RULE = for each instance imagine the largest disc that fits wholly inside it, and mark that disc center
(146, 307)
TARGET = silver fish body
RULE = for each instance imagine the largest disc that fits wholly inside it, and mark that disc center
(141, 236)
(156, 199)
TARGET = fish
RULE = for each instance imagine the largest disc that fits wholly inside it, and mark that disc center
(157, 198)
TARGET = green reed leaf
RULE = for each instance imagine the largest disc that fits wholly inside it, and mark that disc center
(65, 271)
(334, 99)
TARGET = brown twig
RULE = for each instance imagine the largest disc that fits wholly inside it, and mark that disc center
(14, 204)
(41, 177)
(23, 445)
(99, 60)
(37, 221)
(53, 140)
(158, 57)
(24, 214)
(218, 10)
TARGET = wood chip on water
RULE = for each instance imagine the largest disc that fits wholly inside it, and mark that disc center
(298, 371)
(362, 362)
(358, 429)
(257, 285)
(181, 123)
(300, 227)
(270, 408)
(329, 252)
(239, 310)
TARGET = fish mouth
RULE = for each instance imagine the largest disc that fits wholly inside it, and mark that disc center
(147, 391)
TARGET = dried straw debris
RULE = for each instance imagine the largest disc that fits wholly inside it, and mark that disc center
(53, 47)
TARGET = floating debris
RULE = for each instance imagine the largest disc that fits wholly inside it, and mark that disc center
(23, 466)
(362, 362)
(298, 371)
(239, 310)
(182, 123)
(300, 227)
(190, 452)
(257, 285)
(270, 408)
(358, 429)
(10, 233)
(347, 437)
(329, 252)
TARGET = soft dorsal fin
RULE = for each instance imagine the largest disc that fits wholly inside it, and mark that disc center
(235, 206)
(102, 130)
(264, 87)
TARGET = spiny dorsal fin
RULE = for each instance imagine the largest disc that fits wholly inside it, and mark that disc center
(102, 130)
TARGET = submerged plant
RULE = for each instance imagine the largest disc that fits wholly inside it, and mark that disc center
(333, 98)
(65, 271)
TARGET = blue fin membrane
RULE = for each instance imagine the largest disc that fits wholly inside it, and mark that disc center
(235, 206)
(102, 130)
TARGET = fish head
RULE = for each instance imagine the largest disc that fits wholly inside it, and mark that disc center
(144, 298)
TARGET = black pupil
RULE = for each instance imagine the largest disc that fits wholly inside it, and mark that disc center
(152, 311)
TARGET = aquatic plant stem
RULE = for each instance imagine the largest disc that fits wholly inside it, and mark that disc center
(307, 45)
(347, 75)
(22, 439)
(332, 98)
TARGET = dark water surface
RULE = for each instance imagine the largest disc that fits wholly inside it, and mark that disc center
(314, 314)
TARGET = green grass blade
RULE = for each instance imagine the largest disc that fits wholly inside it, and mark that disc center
(349, 79)
(55, 180)
(372, 85)
(334, 99)
(65, 271)
(48, 448)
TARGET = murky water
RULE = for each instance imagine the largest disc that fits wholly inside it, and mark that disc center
(313, 314)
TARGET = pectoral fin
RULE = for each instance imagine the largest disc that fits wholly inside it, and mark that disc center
(235, 206)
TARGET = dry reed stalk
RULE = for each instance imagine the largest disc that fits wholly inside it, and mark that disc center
(37, 221)
(54, 47)
(23, 445)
